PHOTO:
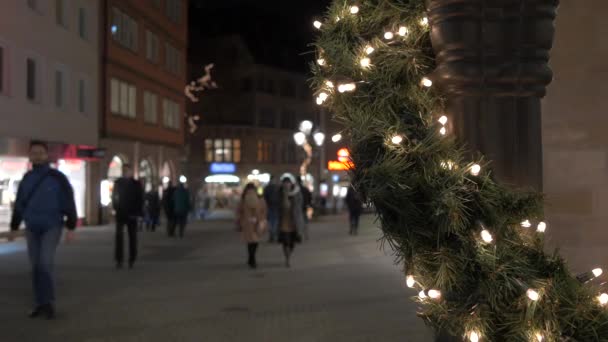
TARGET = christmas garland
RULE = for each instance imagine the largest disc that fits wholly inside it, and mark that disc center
(471, 247)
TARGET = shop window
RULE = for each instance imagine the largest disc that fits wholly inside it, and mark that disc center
(223, 150)
(265, 151)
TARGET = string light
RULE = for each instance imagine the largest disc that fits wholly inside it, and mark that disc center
(347, 87)
(354, 9)
(539, 337)
(388, 35)
(486, 236)
(319, 101)
(397, 139)
(533, 295)
(424, 21)
(321, 61)
(426, 82)
(403, 31)
(322, 98)
(449, 165)
(421, 294)
(597, 272)
(434, 294)
(443, 131)
(317, 24)
(526, 224)
(366, 62)
(410, 281)
(336, 137)
(475, 169)
(474, 336)
(541, 227)
(443, 120)
(338, 18)
(330, 84)
(369, 50)
(603, 299)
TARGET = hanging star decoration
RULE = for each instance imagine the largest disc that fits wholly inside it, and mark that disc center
(191, 90)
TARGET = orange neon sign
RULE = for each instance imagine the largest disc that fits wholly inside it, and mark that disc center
(336, 165)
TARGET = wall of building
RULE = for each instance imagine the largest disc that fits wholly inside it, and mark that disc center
(574, 140)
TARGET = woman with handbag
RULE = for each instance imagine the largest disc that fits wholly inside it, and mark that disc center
(291, 220)
(252, 221)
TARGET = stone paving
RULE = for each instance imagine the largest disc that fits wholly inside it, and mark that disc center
(340, 288)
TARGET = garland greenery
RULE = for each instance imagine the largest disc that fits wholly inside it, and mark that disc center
(473, 248)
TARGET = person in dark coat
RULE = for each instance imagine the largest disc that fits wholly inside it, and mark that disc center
(273, 204)
(306, 203)
(167, 202)
(181, 208)
(355, 208)
(127, 199)
(44, 200)
(152, 209)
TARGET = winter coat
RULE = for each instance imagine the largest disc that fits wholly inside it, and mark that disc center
(128, 198)
(252, 217)
(49, 198)
(168, 202)
(181, 201)
(353, 201)
(296, 219)
(271, 195)
(152, 203)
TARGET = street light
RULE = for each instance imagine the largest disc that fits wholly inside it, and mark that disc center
(306, 127)
(319, 138)
(300, 138)
(336, 137)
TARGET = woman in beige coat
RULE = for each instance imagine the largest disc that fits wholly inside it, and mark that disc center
(252, 220)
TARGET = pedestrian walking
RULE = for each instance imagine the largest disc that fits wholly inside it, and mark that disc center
(291, 217)
(167, 202)
(306, 204)
(273, 203)
(181, 209)
(45, 201)
(152, 209)
(127, 199)
(252, 221)
(355, 208)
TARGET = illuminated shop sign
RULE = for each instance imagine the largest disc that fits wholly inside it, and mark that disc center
(222, 168)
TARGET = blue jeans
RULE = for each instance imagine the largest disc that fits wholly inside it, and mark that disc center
(273, 223)
(41, 247)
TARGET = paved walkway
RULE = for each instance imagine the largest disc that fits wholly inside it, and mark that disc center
(340, 288)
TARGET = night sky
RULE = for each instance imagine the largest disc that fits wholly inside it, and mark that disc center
(277, 31)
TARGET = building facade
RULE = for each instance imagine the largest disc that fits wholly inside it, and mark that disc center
(144, 74)
(49, 76)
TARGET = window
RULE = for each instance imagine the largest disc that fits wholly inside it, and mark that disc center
(60, 13)
(82, 23)
(123, 100)
(82, 96)
(31, 87)
(124, 29)
(288, 89)
(2, 62)
(150, 107)
(265, 151)
(266, 118)
(171, 114)
(288, 119)
(152, 47)
(60, 88)
(173, 59)
(174, 10)
(223, 150)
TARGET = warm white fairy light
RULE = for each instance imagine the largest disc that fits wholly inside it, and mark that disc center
(539, 337)
(603, 298)
(319, 101)
(486, 236)
(366, 62)
(388, 35)
(424, 21)
(541, 227)
(403, 31)
(410, 281)
(397, 139)
(448, 165)
(526, 224)
(435, 294)
(321, 61)
(474, 336)
(475, 169)
(533, 295)
(597, 272)
(336, 137)
(322, 97)
(369, 50)
(329, 84)
(347, 87)
(443, 120)
(443, 131)
(421, 294)
(426, 82)
(338, 18)
(354, 9)
(317, 24)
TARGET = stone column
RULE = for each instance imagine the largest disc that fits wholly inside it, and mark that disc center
(492, 62)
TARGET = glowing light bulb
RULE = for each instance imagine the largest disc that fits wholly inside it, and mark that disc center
(369, 50)
(410, 281)
(542, 226)
(526, 224)
(388, 35)
(347, 87)
(336, 137)
(354, 9)
(434, 294)
(323, 96)
(486, 236)
(533, 295)
(403, 31)
(443, 131)
(426, 82)
(448, 165)
(473, 336)
(539, 337)
(603, 298)
(366, 62)
(475, 169)
(338, 19)
(330, 84)
(443, 120)
(421, 294)
(397, 139)
(424, 21)
(319, 101)
(321, 61)
(317, 24)
(597, 272)
(183, 179)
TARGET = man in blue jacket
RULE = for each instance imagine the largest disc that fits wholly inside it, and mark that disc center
(44, 200)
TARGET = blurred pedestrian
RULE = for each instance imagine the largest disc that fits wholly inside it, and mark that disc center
(44, 200)
(182, 204)
(355, 208)
(306, 205)
(252, 221)
(273, 203)
(167, 202)
(127, 199)
(152, 209)
(291, 219)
